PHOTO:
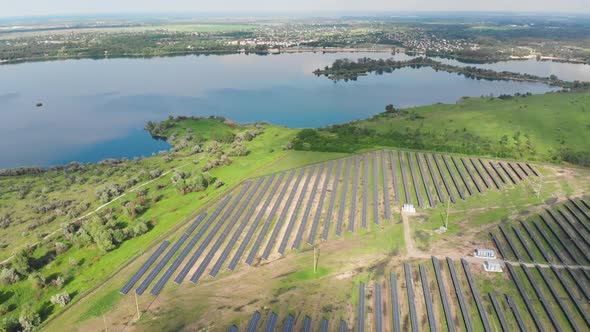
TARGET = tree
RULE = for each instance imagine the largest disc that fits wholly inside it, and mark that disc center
(29, 318)
(21, 262)
(37, 280)
(390, 109)
(9, 276)
(61, 299)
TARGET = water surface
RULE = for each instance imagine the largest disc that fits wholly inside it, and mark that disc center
(94, 109)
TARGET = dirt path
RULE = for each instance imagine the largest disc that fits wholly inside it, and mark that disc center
(411, 251)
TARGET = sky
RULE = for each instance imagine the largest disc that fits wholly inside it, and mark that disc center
(12, 8)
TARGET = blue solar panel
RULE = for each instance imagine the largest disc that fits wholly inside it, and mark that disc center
(143, 269)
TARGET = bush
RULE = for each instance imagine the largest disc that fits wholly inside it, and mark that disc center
(73, 261)
(59, 282)
(61, 299)
(60, 247)
(29, 319)
(9, 324)
(37, 280)
(21, 262)
(139, 229)
(9, 276)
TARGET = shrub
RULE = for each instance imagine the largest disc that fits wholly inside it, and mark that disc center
(73, 261)
(61, 299)
(37, 280)
(29, 319)
(58, 282)
(139, 229)
(8, 324)
(9, 276)
(60, 247)
(21, 262)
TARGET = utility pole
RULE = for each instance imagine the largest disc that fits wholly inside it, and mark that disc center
(137, 306)
(104, 319)
(448, 208)
(315, 259)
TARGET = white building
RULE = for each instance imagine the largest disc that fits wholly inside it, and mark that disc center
(409, 208)
(491, 266)
(485, 253)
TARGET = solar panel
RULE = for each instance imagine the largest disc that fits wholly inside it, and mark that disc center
(193, 259)
(459, 293)
(557, 297)
(386, 202)
(415, 180)
(295, 213)
(240, 230)
(273, 237)
(425, 183)
(411, 297)
(378, 309)
(353, 201)
(500, 314)
(340, 218)
(289, 323)
(333, 195)
(308, 207)
(404, 179)
(143, 269)
(427, 298)
(462, 175)
(542, 299)
(525, 297)
(396, 193)
(365, 192)
(443, 294)
(394, 303)
(361, 310)
(224, 234)
(253, 324)
(253, 227)
(475, 293)
(441, 195)
(444, 179)
(375, 189)
(168, 273)
(453, 177)
(318, 213)
(272, 322)
(516, 313)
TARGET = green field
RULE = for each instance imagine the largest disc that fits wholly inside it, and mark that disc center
(552, 127)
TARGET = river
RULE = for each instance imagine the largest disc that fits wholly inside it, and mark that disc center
(96, 109)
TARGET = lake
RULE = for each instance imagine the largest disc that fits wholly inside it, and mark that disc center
(96, 109)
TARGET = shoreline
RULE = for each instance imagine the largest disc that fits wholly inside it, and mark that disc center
(271, 51)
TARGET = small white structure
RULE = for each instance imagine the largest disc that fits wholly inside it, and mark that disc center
(409, 208)
(492, 266)
(485, 253)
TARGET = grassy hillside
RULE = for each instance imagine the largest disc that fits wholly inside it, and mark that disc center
(552, 127)
(77, 258)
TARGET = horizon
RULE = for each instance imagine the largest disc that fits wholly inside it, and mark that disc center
(292, 15)
(264, 8)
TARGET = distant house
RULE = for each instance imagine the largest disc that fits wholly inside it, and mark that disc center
(485, 253)
(491, 266)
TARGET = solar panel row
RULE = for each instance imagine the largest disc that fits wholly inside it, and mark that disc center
(342, 203)
(353, 200)
(291, 223)
(333, 195)
(443, 294)
(423, 175)
(254, 227)
(385, 171)
(411, 297)
(308, 207)
(240, 230)
(475, 293)
(460, 297)
(282, 217)
(318, 213)
(427, 298)
(143, 269)
(415, 180)
(168, 273)
(224, 234)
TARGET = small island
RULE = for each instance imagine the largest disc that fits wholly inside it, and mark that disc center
(346, 69)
